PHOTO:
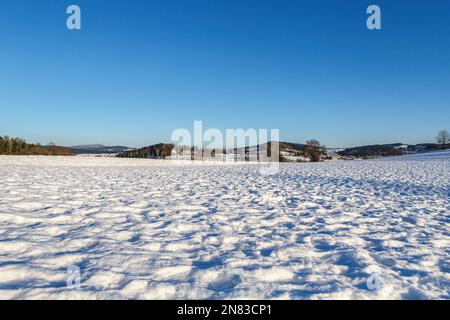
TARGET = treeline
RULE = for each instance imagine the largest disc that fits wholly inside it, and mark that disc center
(158, 151)
(18, 146)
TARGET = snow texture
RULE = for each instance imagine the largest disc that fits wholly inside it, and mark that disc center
(149, 229)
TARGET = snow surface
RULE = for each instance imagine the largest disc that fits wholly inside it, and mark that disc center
(148, 229)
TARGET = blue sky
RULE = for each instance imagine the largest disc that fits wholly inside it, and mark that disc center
(140, 69)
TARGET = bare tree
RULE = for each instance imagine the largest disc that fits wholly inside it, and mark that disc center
(443, 137)
(314, 150)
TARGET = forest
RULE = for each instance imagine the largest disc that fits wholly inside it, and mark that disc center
(18, 146)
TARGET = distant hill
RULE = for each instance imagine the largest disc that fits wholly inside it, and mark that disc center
(372, 151)
(393, 149)
(88, 146)
(98, 149)
(426, 147)
(164, 151)
(293, 152)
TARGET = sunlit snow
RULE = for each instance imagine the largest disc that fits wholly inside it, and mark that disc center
(148, 229)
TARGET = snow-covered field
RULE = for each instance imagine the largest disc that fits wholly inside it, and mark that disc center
(148, 229)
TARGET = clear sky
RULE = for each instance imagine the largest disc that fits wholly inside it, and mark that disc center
(140, 69)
